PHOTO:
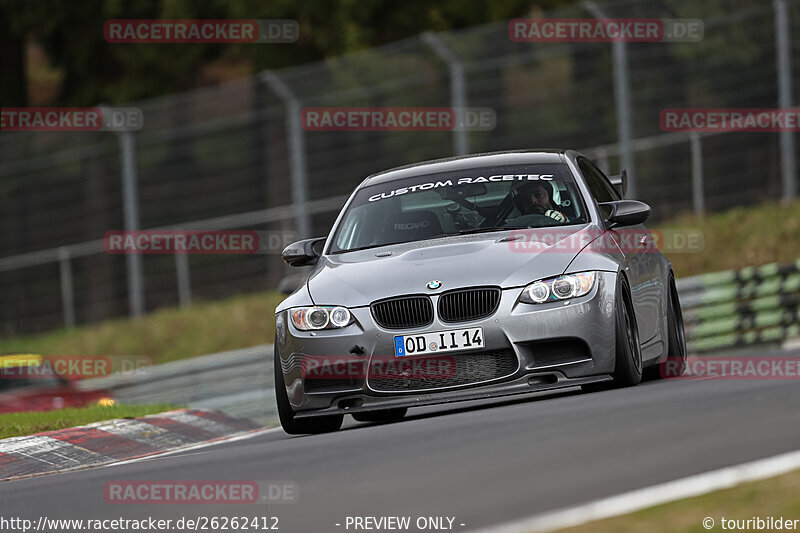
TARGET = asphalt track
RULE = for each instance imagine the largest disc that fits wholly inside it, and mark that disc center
(482, 463)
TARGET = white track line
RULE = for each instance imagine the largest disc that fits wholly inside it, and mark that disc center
(655, 495)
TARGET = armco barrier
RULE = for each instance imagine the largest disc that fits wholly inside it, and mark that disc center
(237, 382)
(741, 307)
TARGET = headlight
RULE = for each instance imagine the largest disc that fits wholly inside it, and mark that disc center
(313, 318)
(559, 288)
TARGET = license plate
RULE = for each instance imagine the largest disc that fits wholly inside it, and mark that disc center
(452, 340)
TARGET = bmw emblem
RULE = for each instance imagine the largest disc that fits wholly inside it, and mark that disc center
(433, 285)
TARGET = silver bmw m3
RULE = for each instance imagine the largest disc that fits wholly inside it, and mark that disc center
(474, 277)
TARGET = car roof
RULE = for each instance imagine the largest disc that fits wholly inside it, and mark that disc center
(509, 157)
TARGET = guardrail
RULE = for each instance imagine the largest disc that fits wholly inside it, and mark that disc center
(737, 308)
(237, 382)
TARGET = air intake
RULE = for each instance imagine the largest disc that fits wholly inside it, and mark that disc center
(403, 312)
(462, 305)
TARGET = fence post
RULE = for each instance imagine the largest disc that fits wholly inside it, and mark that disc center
(698, 198)
(184, 279)
(67, 291)
(458, 88)
(783, 49)
(130, 206)
(622, 101)
(297, 155)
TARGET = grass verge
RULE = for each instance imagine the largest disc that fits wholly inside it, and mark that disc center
(775, 497)
(27, 423)
(737, 238)
(167, 334)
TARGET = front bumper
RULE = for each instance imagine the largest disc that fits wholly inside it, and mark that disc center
(556, 345)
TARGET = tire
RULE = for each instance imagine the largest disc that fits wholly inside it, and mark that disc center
(321, 424)
(628, 358)
(384, 415)
(674, 365)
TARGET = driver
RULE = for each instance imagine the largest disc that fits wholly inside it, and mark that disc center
(536, 198)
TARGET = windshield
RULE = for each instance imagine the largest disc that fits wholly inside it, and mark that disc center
(467, 201)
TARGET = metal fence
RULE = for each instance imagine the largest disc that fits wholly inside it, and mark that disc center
(234, 156)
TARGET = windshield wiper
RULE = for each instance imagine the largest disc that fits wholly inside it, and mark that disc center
(359, 248)
(487, 230)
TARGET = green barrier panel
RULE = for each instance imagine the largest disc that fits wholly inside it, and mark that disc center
(777, 317)
(767, 302)
(718, 278)
(711, 328)
(734, 293)
(738, 308)
(743, 339)
(727, 309)
(720, 295)
(712, 343)
(737, 277)
(710, 312)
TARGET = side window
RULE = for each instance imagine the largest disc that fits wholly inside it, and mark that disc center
(599, 186)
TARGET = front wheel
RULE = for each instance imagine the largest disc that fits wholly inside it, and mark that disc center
(628, 358)
(321, 424)
(675, 364)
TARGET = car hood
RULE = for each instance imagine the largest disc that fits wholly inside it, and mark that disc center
(506, 259)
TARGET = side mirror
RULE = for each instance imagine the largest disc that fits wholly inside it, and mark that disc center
(620, 182)
(303, 253)
(626, 212)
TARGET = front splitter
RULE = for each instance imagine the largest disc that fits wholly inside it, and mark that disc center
(359, 403)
